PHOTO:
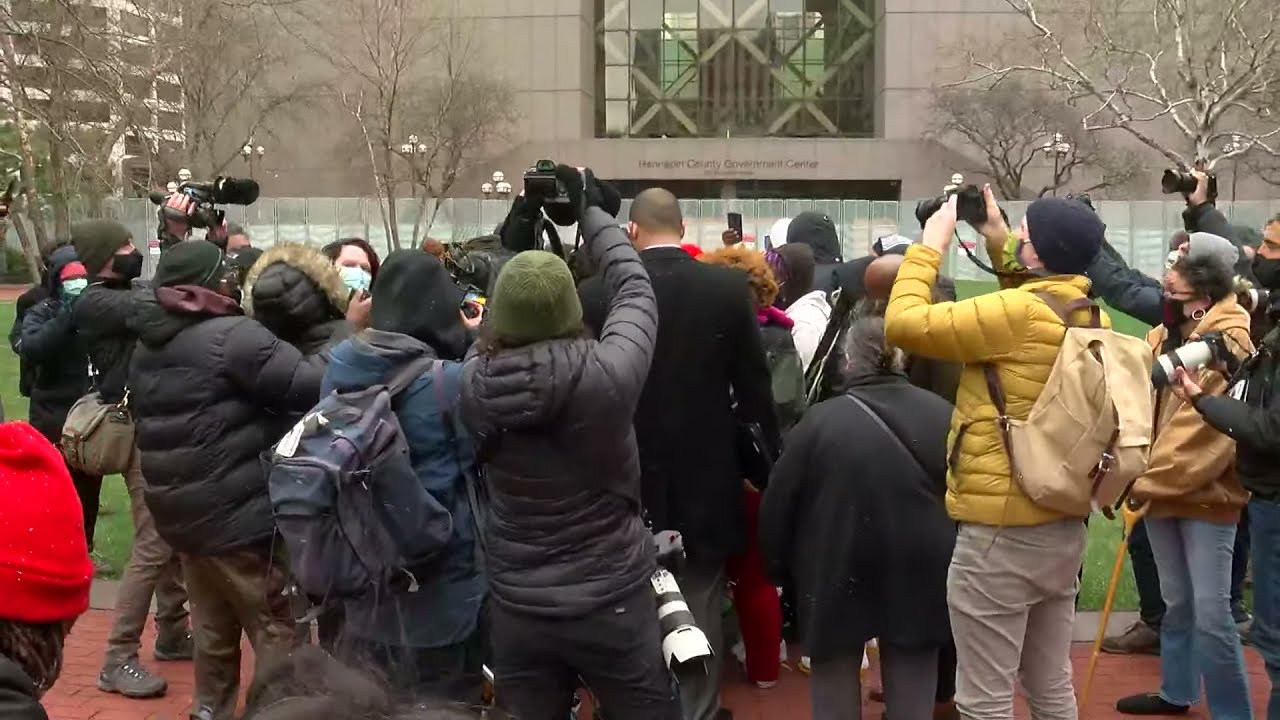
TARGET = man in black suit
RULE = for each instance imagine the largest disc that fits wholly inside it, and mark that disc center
(709, 351)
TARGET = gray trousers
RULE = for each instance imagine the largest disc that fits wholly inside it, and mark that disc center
(703, 586)
(909, 677)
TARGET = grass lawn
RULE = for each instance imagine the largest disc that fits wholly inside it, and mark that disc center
(115, 526)
(114, 532)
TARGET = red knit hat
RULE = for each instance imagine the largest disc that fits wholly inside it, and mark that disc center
(45, 571)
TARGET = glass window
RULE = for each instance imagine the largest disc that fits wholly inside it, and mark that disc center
(613, 13)
(617, 82)
(168, 92)
(170, 121)
(617, 121)
(134, 24)
(617, 48)
(717, 14)
(646, 15)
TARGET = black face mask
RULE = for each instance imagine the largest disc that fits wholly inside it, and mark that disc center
(127, 266)
(1267, 270)
(1174, 312)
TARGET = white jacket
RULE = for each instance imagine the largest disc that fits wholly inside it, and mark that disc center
(810, 315)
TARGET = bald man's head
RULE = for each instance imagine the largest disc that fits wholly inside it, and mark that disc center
(655, 217)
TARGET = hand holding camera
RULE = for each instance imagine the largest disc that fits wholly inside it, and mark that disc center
(1198, 186)
(940, 228)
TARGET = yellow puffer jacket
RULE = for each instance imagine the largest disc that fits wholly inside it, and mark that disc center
(1011, 329)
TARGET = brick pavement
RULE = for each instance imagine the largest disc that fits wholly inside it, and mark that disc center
(76, 697)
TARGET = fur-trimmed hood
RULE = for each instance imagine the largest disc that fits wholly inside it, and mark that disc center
(297, 294)
(315, 266)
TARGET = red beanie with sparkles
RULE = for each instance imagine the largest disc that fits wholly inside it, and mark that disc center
(45, 571)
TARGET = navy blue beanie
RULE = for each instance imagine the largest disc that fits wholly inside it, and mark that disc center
(1066, 234)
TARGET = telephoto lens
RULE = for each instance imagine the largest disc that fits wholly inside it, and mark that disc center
(682, 642)
(1192, 356)
(1173, 182)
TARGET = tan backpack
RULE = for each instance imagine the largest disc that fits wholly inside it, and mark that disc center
(1088, 436)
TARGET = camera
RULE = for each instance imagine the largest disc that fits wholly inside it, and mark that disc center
(543, 187)
(682, 642)
(971, 206)
(1175, 181)
(1254, 299)
(1211, 347)
(200, 212)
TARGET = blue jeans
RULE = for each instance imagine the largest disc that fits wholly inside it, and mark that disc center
(1198, 638)
(1264, 519)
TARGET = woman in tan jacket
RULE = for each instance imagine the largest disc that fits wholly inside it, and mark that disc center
(1194, 505)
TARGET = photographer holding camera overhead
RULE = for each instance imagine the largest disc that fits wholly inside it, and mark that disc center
(1012, 582)
(526, 225)
(1249, 413)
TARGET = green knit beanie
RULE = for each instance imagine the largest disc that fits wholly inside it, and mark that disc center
(534, 299)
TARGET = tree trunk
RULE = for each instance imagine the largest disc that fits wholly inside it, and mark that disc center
(17, 100)
(24, 239)
(389, 190)
(58, 191)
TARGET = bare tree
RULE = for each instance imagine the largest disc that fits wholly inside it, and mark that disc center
(1017, 129)
(1180, 76)
(411, 78)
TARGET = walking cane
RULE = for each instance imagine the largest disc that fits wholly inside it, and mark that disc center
(1131, 518)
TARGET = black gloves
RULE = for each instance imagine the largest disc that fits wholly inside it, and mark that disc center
(584, 191)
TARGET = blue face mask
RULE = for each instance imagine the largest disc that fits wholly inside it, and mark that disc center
(73, 288)
(356, 279)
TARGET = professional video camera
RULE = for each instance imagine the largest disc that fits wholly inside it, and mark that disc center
(971, 207)
(682, 641)
(1211, 347)
(1254, 299)
(193, 205)
(1174, 182)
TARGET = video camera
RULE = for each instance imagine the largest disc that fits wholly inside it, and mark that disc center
(1254, 299)
(1210, 348)
(193, 206)
(1176, 181)
(971, 206)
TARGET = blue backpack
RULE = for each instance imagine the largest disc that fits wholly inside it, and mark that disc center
(351, 510)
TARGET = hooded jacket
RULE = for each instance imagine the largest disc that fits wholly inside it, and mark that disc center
(102, 316)
(55, 352)
(554, 422)
(809, 316)
(207, 387)
(18, 698)
(297, 293)
(818, 232)
(1192, 471)
(444, 609)
(1012, 329)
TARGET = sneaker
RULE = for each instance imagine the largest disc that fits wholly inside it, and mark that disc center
(100, 565)
(132, 681)
(175, 648)
(1149, 704)
(1244, 628)
(766, 684)
(805, 667)
(204, 713)
(1241, 615)
(1141, 639)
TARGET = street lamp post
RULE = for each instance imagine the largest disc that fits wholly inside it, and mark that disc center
(1059, 148)
(1235, 147)
(499, 186)
(249, 152)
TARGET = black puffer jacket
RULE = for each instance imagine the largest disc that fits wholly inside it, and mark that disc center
(565, 535)
(102, 315)
(18, 700)
(207, 384)
(298, 294)
(55, 353)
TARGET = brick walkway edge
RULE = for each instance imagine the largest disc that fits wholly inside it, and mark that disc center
(76, 695)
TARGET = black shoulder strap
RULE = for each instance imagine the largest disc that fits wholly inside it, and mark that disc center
(406, 376)
(875, 417)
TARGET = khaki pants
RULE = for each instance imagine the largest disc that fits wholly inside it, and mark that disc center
(230, 594)
(153, 569)
(1012, 595)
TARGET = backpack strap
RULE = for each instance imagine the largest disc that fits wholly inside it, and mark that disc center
(996, 389)
(470, 478)
(406, 376)
(1064, 311)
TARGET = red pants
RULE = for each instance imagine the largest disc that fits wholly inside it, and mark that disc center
(755, 598)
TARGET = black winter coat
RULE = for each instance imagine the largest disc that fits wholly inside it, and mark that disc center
(709, 346)
(1253, 423)
(102, 315)
(31, 297)
(208, 385)
(553, 421)
(18, 700)
(55, 354)
(297, 293)
(859, 526)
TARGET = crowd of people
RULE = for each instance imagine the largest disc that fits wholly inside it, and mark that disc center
(835, 459)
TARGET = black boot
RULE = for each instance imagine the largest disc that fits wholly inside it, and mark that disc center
(1149, 704)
